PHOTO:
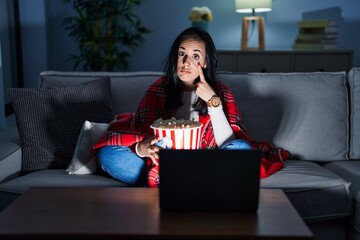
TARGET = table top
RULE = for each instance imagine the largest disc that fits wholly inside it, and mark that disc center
(133, 213)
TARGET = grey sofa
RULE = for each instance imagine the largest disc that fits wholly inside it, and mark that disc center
(316, 116)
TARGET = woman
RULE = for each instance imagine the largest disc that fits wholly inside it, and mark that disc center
(188, 90)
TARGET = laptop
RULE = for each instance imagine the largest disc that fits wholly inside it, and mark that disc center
(209, 180)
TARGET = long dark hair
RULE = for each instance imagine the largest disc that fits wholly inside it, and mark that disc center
(175, 85)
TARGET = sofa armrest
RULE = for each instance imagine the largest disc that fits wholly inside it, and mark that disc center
(10, 160)
(10, 154)
(10, 134)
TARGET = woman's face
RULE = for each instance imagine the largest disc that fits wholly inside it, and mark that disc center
(190, 52)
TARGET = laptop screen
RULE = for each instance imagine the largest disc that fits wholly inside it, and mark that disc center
(209, 180)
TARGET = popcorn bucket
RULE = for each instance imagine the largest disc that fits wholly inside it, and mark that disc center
(178, 138)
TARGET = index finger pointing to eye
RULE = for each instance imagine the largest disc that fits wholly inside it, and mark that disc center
(201, 74)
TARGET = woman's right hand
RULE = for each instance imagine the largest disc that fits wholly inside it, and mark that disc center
(147, 148)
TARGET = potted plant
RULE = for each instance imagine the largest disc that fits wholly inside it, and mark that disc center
(107, 32)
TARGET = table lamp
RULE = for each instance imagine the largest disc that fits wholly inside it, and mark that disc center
(252, 6)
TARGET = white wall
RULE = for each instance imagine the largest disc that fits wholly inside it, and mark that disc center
(2, 110)
(34, 43)
(5, 71)
(167, 18)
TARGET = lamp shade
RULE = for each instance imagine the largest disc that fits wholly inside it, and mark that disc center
(248, 6)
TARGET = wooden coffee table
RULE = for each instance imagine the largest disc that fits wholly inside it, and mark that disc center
(133, 213)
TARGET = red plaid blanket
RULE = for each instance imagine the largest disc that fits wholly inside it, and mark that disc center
(129, 128)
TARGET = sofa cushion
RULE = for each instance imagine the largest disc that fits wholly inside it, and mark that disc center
(354, 81)
(83, 162)
(304, 113)
(132, 82)
(350, 170)
(356, 218)
(50, 119)
(309, 187)
(57, 178)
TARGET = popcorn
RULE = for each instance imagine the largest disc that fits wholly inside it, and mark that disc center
(177, 133)
(175, 123)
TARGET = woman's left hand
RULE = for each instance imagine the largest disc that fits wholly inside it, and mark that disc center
(202, 88)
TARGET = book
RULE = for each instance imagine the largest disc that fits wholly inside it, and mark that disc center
(329, 41)
(314, 46)
(330, 29)
(325, 41)
(320, 23)
(316, 36)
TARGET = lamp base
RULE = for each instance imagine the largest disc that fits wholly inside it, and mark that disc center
(245, 33)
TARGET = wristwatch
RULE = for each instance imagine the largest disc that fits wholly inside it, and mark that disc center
(214, 101)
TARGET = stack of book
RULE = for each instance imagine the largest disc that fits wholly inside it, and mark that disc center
(316, 35)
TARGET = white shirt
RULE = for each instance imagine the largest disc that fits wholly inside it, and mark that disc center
(222, 130)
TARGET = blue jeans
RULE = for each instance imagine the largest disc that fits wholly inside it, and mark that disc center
(237, 144)
(122, 164)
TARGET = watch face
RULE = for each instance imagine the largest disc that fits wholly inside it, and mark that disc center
(215, 101)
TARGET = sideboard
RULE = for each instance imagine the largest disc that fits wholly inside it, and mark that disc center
(284, 60)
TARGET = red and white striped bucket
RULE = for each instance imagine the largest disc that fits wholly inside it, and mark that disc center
(178, 138)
